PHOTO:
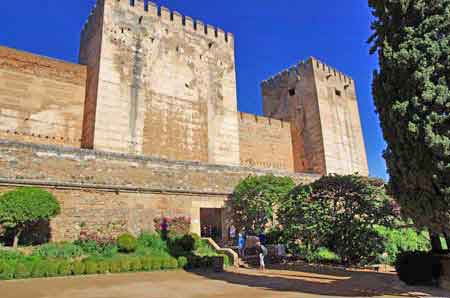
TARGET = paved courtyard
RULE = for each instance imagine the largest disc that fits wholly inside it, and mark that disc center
(275, 283)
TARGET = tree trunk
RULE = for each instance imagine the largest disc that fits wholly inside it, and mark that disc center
(435, 242)
(16, 238)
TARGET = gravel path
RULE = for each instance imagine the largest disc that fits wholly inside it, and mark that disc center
(279, 283)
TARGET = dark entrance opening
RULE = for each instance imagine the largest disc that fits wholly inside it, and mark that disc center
(211, 223)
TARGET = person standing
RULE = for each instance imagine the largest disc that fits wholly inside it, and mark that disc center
(261, 250)
(241, 244)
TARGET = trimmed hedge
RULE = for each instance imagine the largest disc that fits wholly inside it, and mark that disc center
(127, 243)
(52, 268)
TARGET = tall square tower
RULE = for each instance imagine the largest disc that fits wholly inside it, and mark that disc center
(320, 102)
(159, 84)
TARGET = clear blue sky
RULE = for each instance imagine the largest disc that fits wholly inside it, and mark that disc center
(270, 36)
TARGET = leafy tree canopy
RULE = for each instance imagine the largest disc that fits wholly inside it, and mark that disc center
(411, 93)
(340, 213)
(25, 206)
(254, 200)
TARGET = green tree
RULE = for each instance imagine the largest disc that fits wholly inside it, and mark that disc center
(25, 206)
(255, 199)
(411, 93)
(339, 213)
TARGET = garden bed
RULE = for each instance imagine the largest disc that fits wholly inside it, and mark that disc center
(84, 257)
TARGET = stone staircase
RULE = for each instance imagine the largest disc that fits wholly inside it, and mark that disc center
(233, 255)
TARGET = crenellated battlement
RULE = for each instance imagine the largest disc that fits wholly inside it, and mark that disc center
(261, 120)
(165, 15)
(329, 71)
(296, 71)
(284, 75)
(93, 19)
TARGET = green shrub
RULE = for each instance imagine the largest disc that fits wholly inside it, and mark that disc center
(156, 264)
(400, 240)
(324, 255)
(58, 250)
(115, 266)
(320, 255)
(103, 266)
(23, 270)
(65, 269)
(188, 243)
(125, 265)
(92, 248)
(226, 260)
(274, 236)
(78, 268)
(25, 206)
(204, 249)
(127, 243)
(153, 241)
(90, 267)
(254, 201)
(146, 263)
(182, 262)
(135, 264)
(150, 252)
(39, 269)
(181, 246)
(7, 271)
(338, 212)
(418, 267)
(11, 255)
(169, 263)
(51, 268)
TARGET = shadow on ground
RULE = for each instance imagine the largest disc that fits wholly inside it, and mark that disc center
(326, 281)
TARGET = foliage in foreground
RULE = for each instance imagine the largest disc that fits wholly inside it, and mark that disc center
(399, 240)
(338, 213)
(254, 200)
(26, 206)
(86, 256)
(412, 96)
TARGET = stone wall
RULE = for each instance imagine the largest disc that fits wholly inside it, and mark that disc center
(265, 142)
(321, 105)
(341, 126)
(98, 190)
(291, 96)
(41, 99)
(166, 85)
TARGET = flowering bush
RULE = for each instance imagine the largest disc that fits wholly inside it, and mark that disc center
(176, 226)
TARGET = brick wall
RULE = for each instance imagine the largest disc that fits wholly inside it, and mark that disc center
(100, 189)
(41, 99)
(265, 143)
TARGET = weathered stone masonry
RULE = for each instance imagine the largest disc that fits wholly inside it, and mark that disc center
(153, 103)
(41, 99)
(98, 188)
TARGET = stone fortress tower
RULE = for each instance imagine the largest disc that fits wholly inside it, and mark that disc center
(147, 123)
(159, 84)
(164, 85)
(320, 103)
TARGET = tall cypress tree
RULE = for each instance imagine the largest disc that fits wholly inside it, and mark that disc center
(412, 97)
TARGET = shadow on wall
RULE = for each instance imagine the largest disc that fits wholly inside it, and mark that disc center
(320, 281)
(37, 234)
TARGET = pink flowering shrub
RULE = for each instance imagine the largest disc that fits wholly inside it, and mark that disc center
(175, 226)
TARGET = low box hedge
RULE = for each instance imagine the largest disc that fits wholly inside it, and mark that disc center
(12, 269)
